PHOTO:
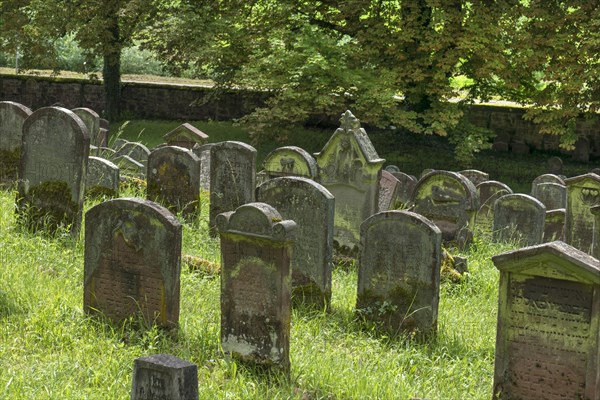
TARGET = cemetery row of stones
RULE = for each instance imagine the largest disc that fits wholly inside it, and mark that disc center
(278, 239)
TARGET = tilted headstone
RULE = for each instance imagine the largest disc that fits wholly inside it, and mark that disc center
(185, 135)
(173, 177)
(163, 376)
(547, 334)
(256, 284)
(12, 118)
(450, 201)
(388, 191)
(488, 192)
(290, 161)
(554, 165)
(350, 169)
(92, 121)
(399, 271)
(583, 192)
(232, 178)
(405, 187)
(519, 217)
(203, 152)
(106, 153)
(132, 262)
(475, 176)
(129, 167)
(312, 207)
(552, 195)
(102, 178)
(136, 151)
(554, 225)
(54, 156)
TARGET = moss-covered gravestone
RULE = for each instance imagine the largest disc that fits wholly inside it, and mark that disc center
(290, 161)
(552, 195)
(132, 262)
(174, 179)
(186, 135)
(554, 225)
(52, 170)
(399, 272)
(519, 217)
(350, 169)
(232, 178)
(312, 207)
(102, 178)
(203, 153)
(12, 118)
(583, 192)
(548, 314)
(92, 121)
(256, 284)
(164, 377)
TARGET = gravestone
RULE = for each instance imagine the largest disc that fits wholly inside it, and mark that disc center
(312, 207)
(132, 262)
(552, 195)
(350, 169)
(12, 118)
(399, 271)
(583, 192)
(52, 170)
(106, 152)
(519, 217)
(405, 187)
(173, 178)
(450, 201)
(130, 167)
(582, 150)
(475, 176)
(388, 191)
(554, 225)
(595, 171)
(488, 192)
(92, 121)
(519, 147)
(186, 135)
(596, 243)
(487, 189)
(163, 376)
(547, 332)
(232, 178)
(554, 166)
(425, 172)
(392, 168)
(545, 178)
(290, 161)
(102, 178)
(136, 151)
(203, 152)
(256, 284)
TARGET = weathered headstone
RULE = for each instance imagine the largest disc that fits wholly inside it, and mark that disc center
(106, 153)
(554, 225)
(583, 192)
(136, 151)
(232, 178)
(92, 121)
(405, 187)
(350, 170)
(519, 217)
(173, 178)
(12, 118)
(132, 262)
(102, 178)
(596, 244)
(547, 334)
(552, 195)
(186, 135)
(290, 161)
(545, 178)
(130, 167)
(256, 284)
(425, 172)
(312, 207)
(388, 191)
(392, 168)
(203, 152)
(450, 201)
(487, 189)
(488, 192)
(399, 271)
(54, 155)
(163, 376)
(475, 176)
(554, 165)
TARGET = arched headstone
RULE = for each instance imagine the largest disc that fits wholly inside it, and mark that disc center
(519, 217)
(12, 118)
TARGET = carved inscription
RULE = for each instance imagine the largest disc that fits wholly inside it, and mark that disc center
(153, 385)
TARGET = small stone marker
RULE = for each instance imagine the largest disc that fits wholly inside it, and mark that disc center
(552, 195)
(232, 178)
(102, 178)
(312, 207)
(92, 121)
(475, 176)
(174, 179)
(554, 166)
(132, 261)
(388, 191)
(12, 118)
(583, 192)
(203, 152)
(399, 271)
(350, 169)
(290, 161)
(554, 225)
(519, 217)
(52, 171)
(256, 284)
(165, 377)
(547, 339)
(186, 136)
(137, 151)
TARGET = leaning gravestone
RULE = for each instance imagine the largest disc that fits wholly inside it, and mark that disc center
(488, 192)
(136, 151)
(290, 161)
(203, 153)
(552, 195)
(102, 178)
(399, 271)
(583, 192)
(312, 207)
(519, 217)
(475, 176)
(163, 376)
(132, 262)
(12, 118)
(173, 178)
(256, 284)
(554, 225)
(547, 339)
(92, 121)
(52, 171)
(405, 187)
(129, 167)
(388, 191)
(232, 178)
(350, 169)
(186, 136)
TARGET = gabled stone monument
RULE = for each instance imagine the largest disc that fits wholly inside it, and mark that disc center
(186, 135)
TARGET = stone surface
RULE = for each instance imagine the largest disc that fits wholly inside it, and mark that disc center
(547, 340)
(554, 225)
(399, 271)
(186, 135)
(475, 176)
(136, 151)
(489, 192)
(520, 218)
(552, 195)
(232, 178)
(12, 118)
(554, 166)
(102, 178)
(256, 284)
(392, 168)
(129, 167)
(596, 242)
(203, 152)
(388, 191)
(545, 178)
(405, 187)
(92, 121)
(173, 178)
(53, 165)
(583, 192)
(312, 207)
(290, 161)
(487, 189)
(164, 377)
(582, 150)
(350, 169)
(132, 262)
